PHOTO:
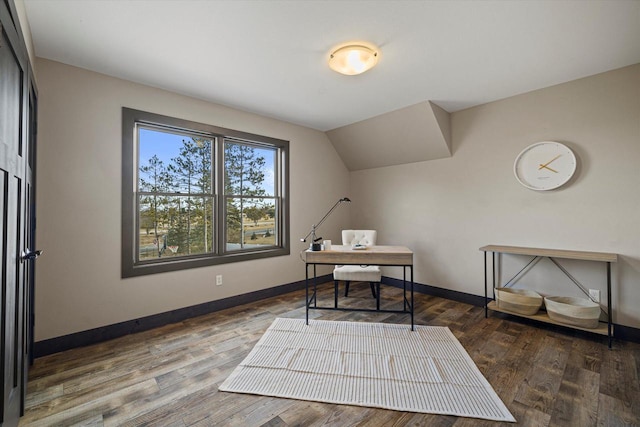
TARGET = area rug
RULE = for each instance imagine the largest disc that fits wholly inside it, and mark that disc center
(368, 364)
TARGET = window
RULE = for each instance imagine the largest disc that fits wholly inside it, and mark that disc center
(196, 195)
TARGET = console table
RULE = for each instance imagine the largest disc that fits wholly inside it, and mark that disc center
(551, 254)
(390, 256)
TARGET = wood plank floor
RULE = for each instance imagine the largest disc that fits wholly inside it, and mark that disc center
(169, 376)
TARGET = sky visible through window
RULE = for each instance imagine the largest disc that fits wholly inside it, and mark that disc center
(167, 147)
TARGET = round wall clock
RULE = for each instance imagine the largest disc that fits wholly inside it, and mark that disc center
(545, 165)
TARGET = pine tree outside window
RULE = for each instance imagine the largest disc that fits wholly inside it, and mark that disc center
(197, 195)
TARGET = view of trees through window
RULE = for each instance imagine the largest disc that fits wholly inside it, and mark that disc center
(197, 195)
(249, 189)
(177, 195)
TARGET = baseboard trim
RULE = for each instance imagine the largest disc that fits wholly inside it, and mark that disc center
(626, 333)
(105, 333)
(476, 300)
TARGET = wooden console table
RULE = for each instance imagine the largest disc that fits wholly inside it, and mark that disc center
(390, 256)
(551, 254)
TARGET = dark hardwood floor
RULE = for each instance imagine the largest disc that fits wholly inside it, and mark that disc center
(547, 376)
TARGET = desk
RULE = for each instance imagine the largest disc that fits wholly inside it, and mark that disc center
(551, 254)
(390, 256)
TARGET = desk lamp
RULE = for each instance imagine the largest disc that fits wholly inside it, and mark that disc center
(315, 246)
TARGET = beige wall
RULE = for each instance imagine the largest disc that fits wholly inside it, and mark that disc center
(78, 203)
(446, 209)
(443, 209)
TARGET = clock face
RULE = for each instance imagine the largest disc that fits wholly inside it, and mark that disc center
(545, 165)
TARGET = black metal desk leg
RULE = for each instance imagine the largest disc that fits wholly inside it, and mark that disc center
(306, 290)
(411, 268)
(315, 287)
(404, 288)
(609, 310)
(486, 302)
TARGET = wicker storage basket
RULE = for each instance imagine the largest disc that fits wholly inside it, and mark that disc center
(520, 301)
(579, 312)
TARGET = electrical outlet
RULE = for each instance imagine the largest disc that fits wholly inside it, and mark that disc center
(594, 294)
(219, 280)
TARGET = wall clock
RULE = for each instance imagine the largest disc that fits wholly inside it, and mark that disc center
(545, 165)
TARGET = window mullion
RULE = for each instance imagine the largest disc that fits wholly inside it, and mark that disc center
(221, 219)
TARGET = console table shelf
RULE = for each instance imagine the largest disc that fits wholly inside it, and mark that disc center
(541, 316)
(604, 328)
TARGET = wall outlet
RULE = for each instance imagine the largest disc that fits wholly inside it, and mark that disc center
(219, 280)
(594, 294)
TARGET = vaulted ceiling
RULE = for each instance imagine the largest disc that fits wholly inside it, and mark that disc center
(270, 57)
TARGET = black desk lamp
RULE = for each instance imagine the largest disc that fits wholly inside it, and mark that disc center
(314, 245)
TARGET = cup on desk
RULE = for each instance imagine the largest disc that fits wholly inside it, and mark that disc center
(327, 245)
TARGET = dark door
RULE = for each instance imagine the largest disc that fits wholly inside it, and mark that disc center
(17, 158)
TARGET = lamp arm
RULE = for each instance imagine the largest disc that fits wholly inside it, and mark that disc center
(328, 213)
(315, 226)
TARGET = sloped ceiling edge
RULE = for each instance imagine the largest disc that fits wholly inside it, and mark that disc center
(412, 134)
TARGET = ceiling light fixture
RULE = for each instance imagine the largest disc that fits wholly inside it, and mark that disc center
(353, 59)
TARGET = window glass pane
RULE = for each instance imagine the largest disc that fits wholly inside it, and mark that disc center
(175, 226)
(249, 170)
(251, 223)
(155, 151)
(191, 169)
(175, 194)
(152, 218)
(173, 163)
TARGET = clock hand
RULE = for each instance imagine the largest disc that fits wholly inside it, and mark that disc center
(547, 167)
(546, 164)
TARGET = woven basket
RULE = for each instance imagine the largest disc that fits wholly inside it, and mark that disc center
(579, 312)
(519, 301)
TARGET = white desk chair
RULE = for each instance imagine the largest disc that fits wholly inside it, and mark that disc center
(349, 273)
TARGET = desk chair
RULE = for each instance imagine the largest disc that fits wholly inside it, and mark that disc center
(349, 273)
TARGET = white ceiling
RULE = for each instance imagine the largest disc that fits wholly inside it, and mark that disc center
(270, 57)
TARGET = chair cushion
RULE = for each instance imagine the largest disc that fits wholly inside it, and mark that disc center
(359, 237)
(356, 273)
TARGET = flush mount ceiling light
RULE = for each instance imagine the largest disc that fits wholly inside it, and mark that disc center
(353, 59)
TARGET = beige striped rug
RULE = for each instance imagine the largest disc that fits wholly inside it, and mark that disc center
(368, 364)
